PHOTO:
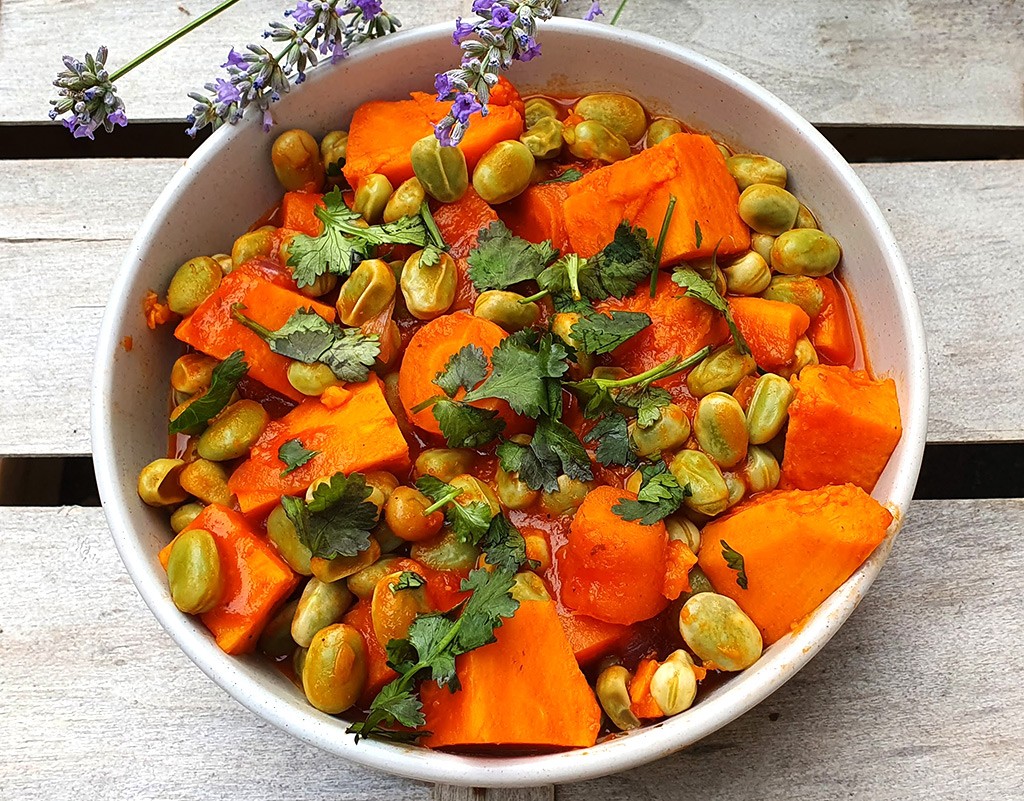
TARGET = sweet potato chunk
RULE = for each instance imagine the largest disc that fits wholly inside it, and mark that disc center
(770, 328)
(843, 427)
(460, 224)
(797, 546)
(686, 166)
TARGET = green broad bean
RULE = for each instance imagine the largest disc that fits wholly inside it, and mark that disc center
(737, 488)
(276, 640)
(321, 604)
(366, 292)
(620, 114)
(193, 283)
(207, 480)
(668, 432)
(281, 532)
(194, 572)
(561, 327)
(612, 689)
(341, 567)
(159, 483)
(805, 218)
(192, 372)
(505, 309)
(684, 530)
(257, 244)
(768, 409)
(537, 108)
(442, 170)
(592, 140)
(748, 169)
(406, 201)
(796, 289)
(804, 356)
(475, 491)
(443, 463)
(445, 552)
(699, 582)
(372, 196)
(768, 209)
(429, 290)
(513, 492)
(233, 431)
(405, 516)
(529, 587)
(184, 515)
(333, 152)
(805, 251)
(719, 632)
(709, 492)
(503, 172)
(362, 584)
(661, 129)
(761, 470)
(567, 498)
(761, 244)
(674, 684)
(312, 379)
(544, 138)
(296, 159)
(334, 670)
(721, 428)
(747, 275)
(392, 611)
(721, 371)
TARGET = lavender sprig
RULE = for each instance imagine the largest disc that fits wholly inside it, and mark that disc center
(258, 77)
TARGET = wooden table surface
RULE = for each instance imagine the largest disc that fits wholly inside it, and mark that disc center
(917, 697)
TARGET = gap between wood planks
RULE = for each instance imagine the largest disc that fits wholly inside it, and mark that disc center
(949, 471)
(856, 143)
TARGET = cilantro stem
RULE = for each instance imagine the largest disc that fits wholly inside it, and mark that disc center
(419, 407)
(542, 294)
(248, 322)
(664, 230)
(444, 500)
(432, 230)
(674, 365)
(618, 12)
(572, 268)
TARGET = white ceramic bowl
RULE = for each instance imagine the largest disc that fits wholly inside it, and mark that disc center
(229, 182)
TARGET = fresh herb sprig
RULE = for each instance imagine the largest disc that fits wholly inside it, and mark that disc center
(293, 454)
(734, 561)
(501, 259)
(337, 521)
(660, 495)
(468, 521)
(702, 289)
(223, 383)
(554, 450)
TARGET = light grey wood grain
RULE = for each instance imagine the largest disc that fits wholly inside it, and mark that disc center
(913, 62)
(960, 225)
(444, 792)
(917, 697)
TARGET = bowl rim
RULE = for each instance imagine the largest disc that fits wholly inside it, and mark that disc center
(617, 754)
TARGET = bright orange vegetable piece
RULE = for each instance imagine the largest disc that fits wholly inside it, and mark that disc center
(523, 690)
(798, 547)
(297, 212)
(843, 427)
(256, 579)
(212, 330)
(679, 560)
(536, 215)
(686, 166)
(383, 132)
(771, 329)
(377, 671)
(680, 325)
(460, 224)
(590, 638)
(429, 351)
(644, 705)
(357, 435)
(831, 332)
(610, 568)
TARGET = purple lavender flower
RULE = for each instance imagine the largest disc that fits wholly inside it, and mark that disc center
(594, 12)
(118, 118)
(370, 8)
(235, 59)
(226, 92)
(464, 105)
(443, 85)
(268, 120)
(482, 6)
(529, 49)
(86, 94)
(443, 132)
(463, 30)
(502, 17)
(302, 13)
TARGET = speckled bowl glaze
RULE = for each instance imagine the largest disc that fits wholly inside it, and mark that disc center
(229, 182)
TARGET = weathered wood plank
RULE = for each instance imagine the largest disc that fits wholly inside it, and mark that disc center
(915, 62)
(917, 697)
(960, 224)
(444, 792)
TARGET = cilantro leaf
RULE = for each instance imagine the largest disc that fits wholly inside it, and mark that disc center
(466, 368)
(294, 455)
(553, 451)
(660, 495)
(501, 259)
(520, 366)
(702, 289)
(571, 175)
(338, 520)
(465, 426)
(612, 437)
(307, 337)
(625, 261)
(646, 401)
(734, 560)
(489, 603)
(469, 521)
(503, 545)
(431, 637)
(394, 704)
(408, 580)
(223, 382)
(343, 243)
(599, 333)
